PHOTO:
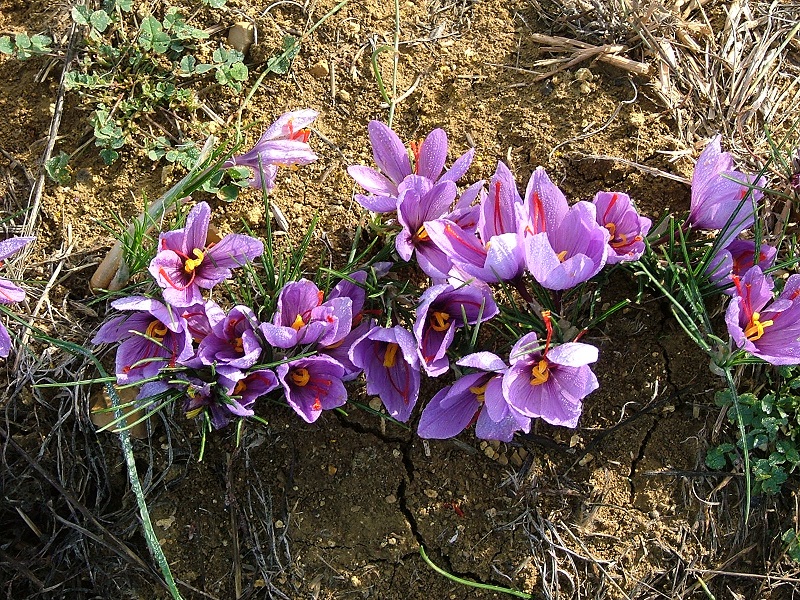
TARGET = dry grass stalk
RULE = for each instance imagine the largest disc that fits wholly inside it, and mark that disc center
(582, 51)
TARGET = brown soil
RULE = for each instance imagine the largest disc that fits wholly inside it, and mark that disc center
(621, 507)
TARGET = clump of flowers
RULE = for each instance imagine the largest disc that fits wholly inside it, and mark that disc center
(522, 266)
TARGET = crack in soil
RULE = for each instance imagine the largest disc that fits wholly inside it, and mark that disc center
(657, 417)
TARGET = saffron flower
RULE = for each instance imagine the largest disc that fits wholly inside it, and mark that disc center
(454, 407)
(233, 339)
(442, 310)
(499, 211)
(202, 396)
(420, 201)
(186, 263)
(722, 197)
(743, 255)
(393, 161)
(626, 228)
(389, 359)
(312, 385)
(284, 144)
(303, 318)
(10, 293)
(153, 336)
(765, 327)
(550, 382)
(500, 259)
(242, 389)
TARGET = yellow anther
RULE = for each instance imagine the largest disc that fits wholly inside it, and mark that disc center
(540, 373)
(562, 255)
(300, 376)
(191, 414)
(192, 263)
(238, 345)
(391, 353)
(612, 229)
(156, 331)
(422, 234)
(239, 388)
(479, 391)
(440, 321)
(756, 327)
(298, 323)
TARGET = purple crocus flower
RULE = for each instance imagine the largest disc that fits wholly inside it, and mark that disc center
(202, 395)
(454, 407)
(419, 201)
(737, 259)
(152, 337)
(312, 385)
(499, 211)
(550, 382)
(303, 318)
(721, 195)
(441, 311)
(766, 328)
(501, 259)
(185, 262)
(393, 161)
(743, 255)
(10, 293)
(233, 339)
(389, 359)
(244, 388)
(564, 248)
(284, 144)
(627, 229)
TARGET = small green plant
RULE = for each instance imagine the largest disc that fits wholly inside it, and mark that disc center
(23, 46)
(137, 74)
(772, 424)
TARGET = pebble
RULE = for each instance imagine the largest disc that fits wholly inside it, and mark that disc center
(375, 403)
(432, 494)
(390, 499)
(585, 88)
(343, 96)
(319, 70)
(584, 74)
(279, 524)
(241, 36)
(332, 470)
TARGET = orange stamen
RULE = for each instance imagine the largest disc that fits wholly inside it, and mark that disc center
(440, 321)
(540, 372)
(391, 354)
(300, 376)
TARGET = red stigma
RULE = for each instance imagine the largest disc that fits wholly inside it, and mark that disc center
(498, 218)
(610, 206)
(537, 218)
(548, 325)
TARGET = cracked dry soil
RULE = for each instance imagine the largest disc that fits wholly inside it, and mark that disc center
(339, 509)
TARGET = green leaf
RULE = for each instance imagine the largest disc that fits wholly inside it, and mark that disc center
(716, 458)
(100, 20)
(108, 155)
(188, 64)
(229, 192)
(214, 3)
(57, 170)
(280, 63)
(23, 41)
(152, 36)
(6, 45)
(238, 72)
(80, 15)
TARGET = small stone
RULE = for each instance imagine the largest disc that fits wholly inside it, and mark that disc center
(332, 470)
(343, 96)
(375, 403)
(584, 74)
(515, 459)
(355, 509)
(392, 541)
(523, 454)
(432, 494)
(585, 88)
(355, 581)
(319, 70)
(495, 444)
(586, 459)
(502, 460)
(396, 453)
(390, 499)
(483, 445)
(241, 36)
(279, 524)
